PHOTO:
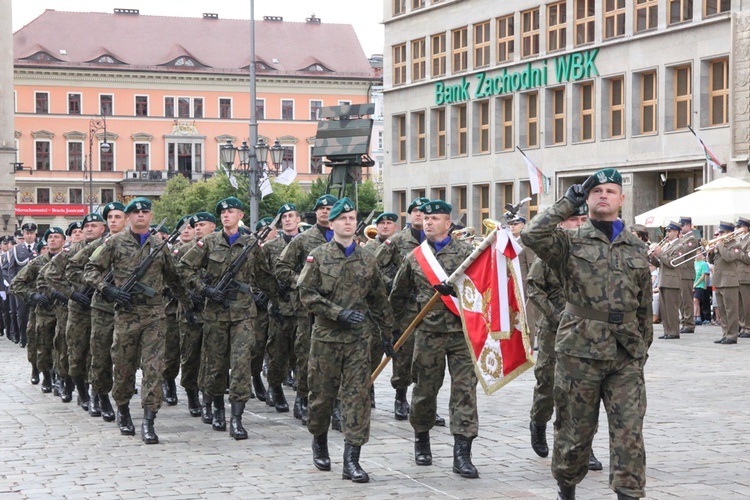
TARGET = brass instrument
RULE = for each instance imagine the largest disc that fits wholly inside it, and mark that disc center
(491, 224)
(654, 246)
(371, 231)
(705, 247)
(464, 234)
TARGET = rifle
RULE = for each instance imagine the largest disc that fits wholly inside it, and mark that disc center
(360, 230)
(227, 282)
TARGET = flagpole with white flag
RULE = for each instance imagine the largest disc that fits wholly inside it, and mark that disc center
(710, 157)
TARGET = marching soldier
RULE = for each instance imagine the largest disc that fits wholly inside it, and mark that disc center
(139, 318)
(670, 277)
(439, 337)
(604, 334)
(261, 321)
(340, 286)
(724, 255)
(20, 255)
(743, 275)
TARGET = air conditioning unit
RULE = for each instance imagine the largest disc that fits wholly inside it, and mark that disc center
(144, 175)
(133, 175)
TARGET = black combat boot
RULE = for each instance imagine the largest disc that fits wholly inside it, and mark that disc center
(566, 492)
(352, 470)
(336, 416)
(57, 384)
(462, 457)
(94, 408)
(422, 451)
(623, 496)
(83, 398)
(169, 392)
(372, 396)
(401, 406)
(260, 389)
(539, 439)
(124, 421)
(207, 415)
(439, 421)
(297, 407)
(303, 410)
(279, 400)
(194, 404)
(108, 413)
(290, 382)
(148, 434)
(67, 392)
(46, 382)
(321, 459)
(219, 422)
(594, 463)
(34, 375)
(235, 423)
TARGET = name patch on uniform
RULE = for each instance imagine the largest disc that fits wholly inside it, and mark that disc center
(310, 258)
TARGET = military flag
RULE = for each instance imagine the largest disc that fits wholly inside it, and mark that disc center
(539, 182)
(711, 158)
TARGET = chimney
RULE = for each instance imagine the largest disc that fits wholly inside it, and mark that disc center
(312, 19)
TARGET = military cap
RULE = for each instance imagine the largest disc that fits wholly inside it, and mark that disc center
(386, 216)
(743, 222)
(202, 216)
(520, 220)
(139, 203)
(673, 226)
(227, 203)
(29, 226)
(115, 205)
(286, 207)
(73, 225)
(326, 200)
(342, 206)
(685, 220)
(92, 218)
(163, 229)
(40, 245)
(265, 221)
(606, 176)
(582, 210)
(53, 230)
(18, 234)
(418, 202)
(435, 207)
(726, 226)
(185, 219)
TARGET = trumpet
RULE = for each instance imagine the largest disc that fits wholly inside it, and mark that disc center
(704, 247)
(371, 232)
(652, 248)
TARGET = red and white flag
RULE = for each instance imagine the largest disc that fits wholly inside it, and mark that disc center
(490, 297)
(711, 158)
(540, 183)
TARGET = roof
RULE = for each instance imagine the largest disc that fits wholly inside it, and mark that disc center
(161, 43)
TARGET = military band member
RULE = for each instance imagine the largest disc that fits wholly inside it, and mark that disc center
(438, 338)
(340, 285)
(666, 258)
(724, 255)
(743, 275)
(20, 255)
(690, 241)
(261, 321)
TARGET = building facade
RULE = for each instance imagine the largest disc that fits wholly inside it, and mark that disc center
(171, 91)
(578, 85)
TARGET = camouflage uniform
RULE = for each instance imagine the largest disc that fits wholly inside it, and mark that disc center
(227, 332)
(439, 336)
(139, 333)
(171, 338)
(601, 345)
(376, 345)
(339, 354)
(191, 336)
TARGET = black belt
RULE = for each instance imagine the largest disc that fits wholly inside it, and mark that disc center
(614, 317)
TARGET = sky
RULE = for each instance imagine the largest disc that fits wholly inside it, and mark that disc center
(364, 15)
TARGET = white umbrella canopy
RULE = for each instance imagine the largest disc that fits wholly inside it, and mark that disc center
(723, 199)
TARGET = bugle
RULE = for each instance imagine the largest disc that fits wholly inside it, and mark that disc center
(703, 248)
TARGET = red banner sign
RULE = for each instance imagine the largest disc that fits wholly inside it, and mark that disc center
(51, 210)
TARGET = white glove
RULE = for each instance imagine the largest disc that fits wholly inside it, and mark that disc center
(2, 294)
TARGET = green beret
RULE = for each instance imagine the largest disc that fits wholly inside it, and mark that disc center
(139, 203)
(582, 210)
(115, 205)
(202, 216)
(436, 207)
(605, 176)
(303, 226)
(73, 225)
(418, 202)
(185, 219)
(265, 221)
(40, 245)
(342, 206)
(228, 203)
(326, 200)
(53, 230)
(386, 216)
(92, 218)
(286, 207)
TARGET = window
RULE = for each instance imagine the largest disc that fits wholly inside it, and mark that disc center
(108, 196)
(315, 110)
(399, 7)
(617, 107)
(380, 140)
(400, 138)
(460, 49)
(142, 157)
(399, 201)
(556, 26)
(141, 105)
(713, 7)
(106, 104)
(287, 109)
(42, 195)
(680, 11)
(399, 64)
(438, 54)
(484, 206)
(482, 44)
(225, 108)
(185, 157)
(169, 107)
(586, 98)
(646, 14)
(584, 14)
(260, 109)
(719, 92)
(74, 104)
(75, 156)
(532, 120)
(532, 207)
(505, 38)
(42, 158)
(287, 160)
(197, 107)
(462, 130)
(418, 60)
(183, 107)
(107, 159)
(530, 33)
(42, 102)
(648, 102)
(506, 123)
(420, 126)
(417, 4)
(483, 119)
(614, 18)
(440, 133)
(504, 192)
(558, 115)
(460, 201)
(345, 103)
(75, 196)
(683, 97)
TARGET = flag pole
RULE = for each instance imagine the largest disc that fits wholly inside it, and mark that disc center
(431, 303)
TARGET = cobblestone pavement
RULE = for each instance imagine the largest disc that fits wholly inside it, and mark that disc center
(696, 435)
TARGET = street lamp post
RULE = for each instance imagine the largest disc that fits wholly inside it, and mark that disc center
(253, 180)
(96, 124)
